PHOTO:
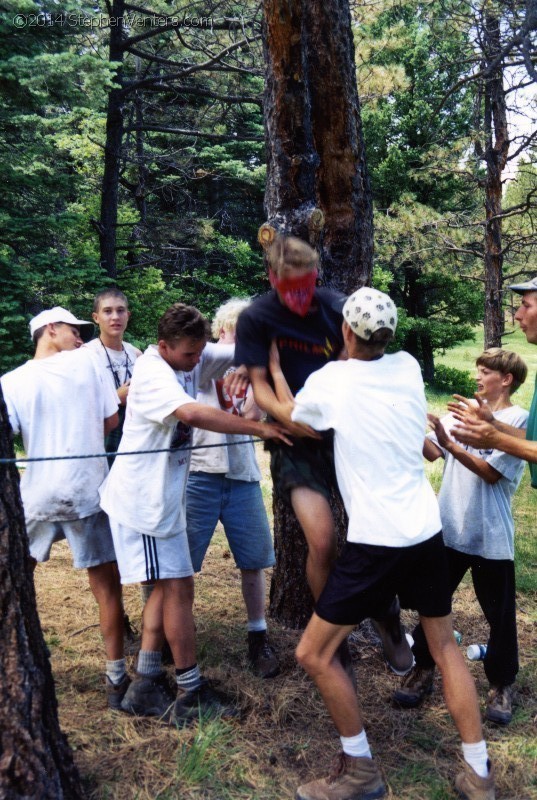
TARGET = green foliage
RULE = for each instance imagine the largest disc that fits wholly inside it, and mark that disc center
(453, 381)
(201, 760)
(413, 53)
(149, 297)
(52, 91)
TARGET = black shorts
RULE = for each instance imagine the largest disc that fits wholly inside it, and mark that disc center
(366, 577)
(309, 462)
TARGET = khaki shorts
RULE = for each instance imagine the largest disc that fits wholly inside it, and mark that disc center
(89, 538)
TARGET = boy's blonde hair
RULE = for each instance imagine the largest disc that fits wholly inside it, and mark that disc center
(292, 251)
(506, 362)
(226, 316)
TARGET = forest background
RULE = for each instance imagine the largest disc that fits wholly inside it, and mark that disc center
(133, 153)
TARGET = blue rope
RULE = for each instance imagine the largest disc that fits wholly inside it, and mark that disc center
(127, 453)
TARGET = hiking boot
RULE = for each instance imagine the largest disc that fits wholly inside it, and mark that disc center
(349, 779)
(149, 696)
(115, 692)
(262, 655)
(202, 702)
(470, 786)
(415, 687)
(500, 705)
(395, 646)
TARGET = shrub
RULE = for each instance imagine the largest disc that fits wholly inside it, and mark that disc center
(453, 381)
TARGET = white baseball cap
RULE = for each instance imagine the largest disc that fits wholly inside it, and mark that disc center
(529, 286)
(368, 310)
(59, 314)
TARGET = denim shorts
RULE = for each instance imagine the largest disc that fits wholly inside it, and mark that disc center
(90, 539)
(238, 505)
(366, 578)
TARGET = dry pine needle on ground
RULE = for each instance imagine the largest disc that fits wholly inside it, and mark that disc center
(285, 736)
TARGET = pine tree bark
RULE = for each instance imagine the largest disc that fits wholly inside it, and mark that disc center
(495, 156)
(35, 758)
(317, 189)
(112, 149)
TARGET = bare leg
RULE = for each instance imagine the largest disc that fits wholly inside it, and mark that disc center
(106, 587)
(314, 515)
(316, 653)
(253, 592)
(168, 612)
(458, 685)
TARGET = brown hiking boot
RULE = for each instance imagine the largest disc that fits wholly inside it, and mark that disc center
(470, 786)
(150, 696)
(349, 779)
(500, 705)
(262, 656)
(395, 646)
(415, 687)
(203, 702)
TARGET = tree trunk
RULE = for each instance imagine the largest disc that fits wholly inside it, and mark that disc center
(317, 183)
(417, 342)
(112, 151)
(317, 189)
(495, 155)
(35, 758)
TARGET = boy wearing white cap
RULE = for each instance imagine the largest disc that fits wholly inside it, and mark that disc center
(375, 403)
(60, 403)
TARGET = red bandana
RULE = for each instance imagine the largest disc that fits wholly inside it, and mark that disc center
(296, 293)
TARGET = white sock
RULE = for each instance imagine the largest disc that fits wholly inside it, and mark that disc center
(149, 662)
(356, 746)
(477, 757)
(189, 679)
(257, 625)
(116, 670)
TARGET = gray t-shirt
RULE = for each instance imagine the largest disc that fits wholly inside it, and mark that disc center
(476, 515)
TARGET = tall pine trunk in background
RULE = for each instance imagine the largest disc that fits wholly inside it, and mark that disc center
(494, 153)
(35, 758)
(317, 189)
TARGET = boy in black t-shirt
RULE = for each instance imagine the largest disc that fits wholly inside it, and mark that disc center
(302, 324)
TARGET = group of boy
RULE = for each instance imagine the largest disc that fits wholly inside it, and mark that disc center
(312, 375)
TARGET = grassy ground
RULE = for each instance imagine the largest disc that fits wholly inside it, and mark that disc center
(285, 736)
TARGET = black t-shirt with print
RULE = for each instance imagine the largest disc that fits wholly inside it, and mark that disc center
(305, 343)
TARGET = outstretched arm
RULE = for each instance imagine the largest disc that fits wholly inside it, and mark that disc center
(482, 434)
(465, 410)
(475, 464)
(203, 416)
(266, 398)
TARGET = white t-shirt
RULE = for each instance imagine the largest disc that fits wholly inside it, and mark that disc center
(118, 364)
(237, 462)
(476, 515)
(146, 492)
(377, 410)
(59, 405)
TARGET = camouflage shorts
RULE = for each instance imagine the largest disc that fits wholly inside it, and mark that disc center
(308, 463)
